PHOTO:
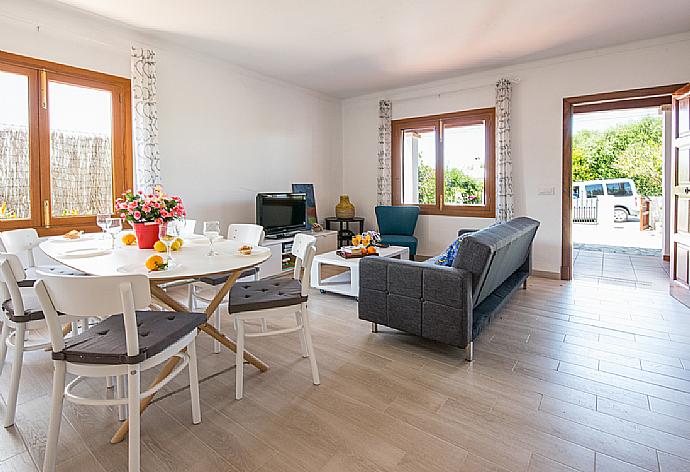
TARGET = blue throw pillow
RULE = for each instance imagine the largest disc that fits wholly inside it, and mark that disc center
(447, 258)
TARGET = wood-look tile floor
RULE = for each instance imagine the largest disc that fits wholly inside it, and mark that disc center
(572, 376)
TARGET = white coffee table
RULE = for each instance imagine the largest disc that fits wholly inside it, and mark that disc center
(347, 283)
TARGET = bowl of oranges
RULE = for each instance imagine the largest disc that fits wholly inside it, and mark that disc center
(362, 246)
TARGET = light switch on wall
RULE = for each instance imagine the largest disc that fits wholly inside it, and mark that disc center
(547, 191)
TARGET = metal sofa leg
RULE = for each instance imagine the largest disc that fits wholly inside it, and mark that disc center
(469, 352)
(374, 328)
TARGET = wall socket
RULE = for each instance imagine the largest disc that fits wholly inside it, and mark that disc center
(546, 191)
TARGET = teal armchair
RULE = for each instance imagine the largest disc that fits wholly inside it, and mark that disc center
(397, 225)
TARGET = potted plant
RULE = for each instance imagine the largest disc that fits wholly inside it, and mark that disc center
(146, 212)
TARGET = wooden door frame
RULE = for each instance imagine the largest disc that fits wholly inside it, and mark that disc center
(633, 98)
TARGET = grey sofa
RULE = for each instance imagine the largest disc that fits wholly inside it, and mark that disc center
(449, 304)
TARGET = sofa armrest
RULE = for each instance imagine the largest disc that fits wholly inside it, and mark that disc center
(424, 299)
(466, 231)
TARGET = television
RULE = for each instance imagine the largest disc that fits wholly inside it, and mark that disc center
(281, 214)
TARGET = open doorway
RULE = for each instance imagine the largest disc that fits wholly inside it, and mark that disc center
(616, 187)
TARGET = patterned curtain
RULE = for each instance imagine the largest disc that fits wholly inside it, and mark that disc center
(145, 118)
(14, 172)
(504, 160)
(383, 191)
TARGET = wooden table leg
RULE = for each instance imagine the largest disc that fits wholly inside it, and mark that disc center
(163, 296)
(160, 294)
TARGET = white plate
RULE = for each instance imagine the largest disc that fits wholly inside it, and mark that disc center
(141, 269)
(84, 237)
(86, 252)
(256, 251)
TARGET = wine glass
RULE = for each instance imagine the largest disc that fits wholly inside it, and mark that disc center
(100, 221)
(167, 234)
(211, 231)
(113, 226)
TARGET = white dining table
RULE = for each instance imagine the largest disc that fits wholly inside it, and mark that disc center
(92, 254)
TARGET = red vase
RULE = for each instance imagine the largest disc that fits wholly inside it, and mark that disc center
(147, 234)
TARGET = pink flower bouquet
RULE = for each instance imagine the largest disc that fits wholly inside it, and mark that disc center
(158, 208)
(146, 212)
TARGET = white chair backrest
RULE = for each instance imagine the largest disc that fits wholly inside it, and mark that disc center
(304, 249)
(87, 297)
(189, 227)
(246, 233)
(21, 242)
(11, 273)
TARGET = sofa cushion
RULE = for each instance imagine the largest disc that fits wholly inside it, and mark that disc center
(494, 253)
(405, 279)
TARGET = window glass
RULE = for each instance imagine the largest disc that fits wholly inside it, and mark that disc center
(464, 158)
(81, 163)
(419, 166)
(594, 190)
(619, 189)
(15, 171)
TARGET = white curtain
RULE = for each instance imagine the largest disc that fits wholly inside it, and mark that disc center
(504, 160)
(145, 118)
(384, 189)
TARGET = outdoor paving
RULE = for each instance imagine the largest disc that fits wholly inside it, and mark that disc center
(626, 234)
(650, 272)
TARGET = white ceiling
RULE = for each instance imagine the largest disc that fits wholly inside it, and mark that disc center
(347, 48)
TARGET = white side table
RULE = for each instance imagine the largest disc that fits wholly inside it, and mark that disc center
(347, 283)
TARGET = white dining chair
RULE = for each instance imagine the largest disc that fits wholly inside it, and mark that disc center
(22, 243)
(124, 344)
(21, 317)
(189, 227)
(207, 287)
(273, 298)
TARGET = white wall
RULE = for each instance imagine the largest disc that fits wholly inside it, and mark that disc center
(536, 128)
(225, 133)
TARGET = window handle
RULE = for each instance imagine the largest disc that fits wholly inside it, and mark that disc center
(44, 89)
(46, 213)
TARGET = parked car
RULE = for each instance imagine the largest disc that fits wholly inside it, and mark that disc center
(627, 202)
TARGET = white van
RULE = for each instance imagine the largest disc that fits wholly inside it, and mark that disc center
(627, 202)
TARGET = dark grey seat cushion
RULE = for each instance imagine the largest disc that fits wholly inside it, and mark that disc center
(220, 279)
(264, 294)
(30, 314)
(105, 343)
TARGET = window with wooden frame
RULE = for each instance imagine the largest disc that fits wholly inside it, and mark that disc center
(65, 144)
(445, 164)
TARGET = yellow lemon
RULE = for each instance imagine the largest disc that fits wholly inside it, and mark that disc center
(154, 262)
(159, 247)
(129, 239)
(176, 245)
